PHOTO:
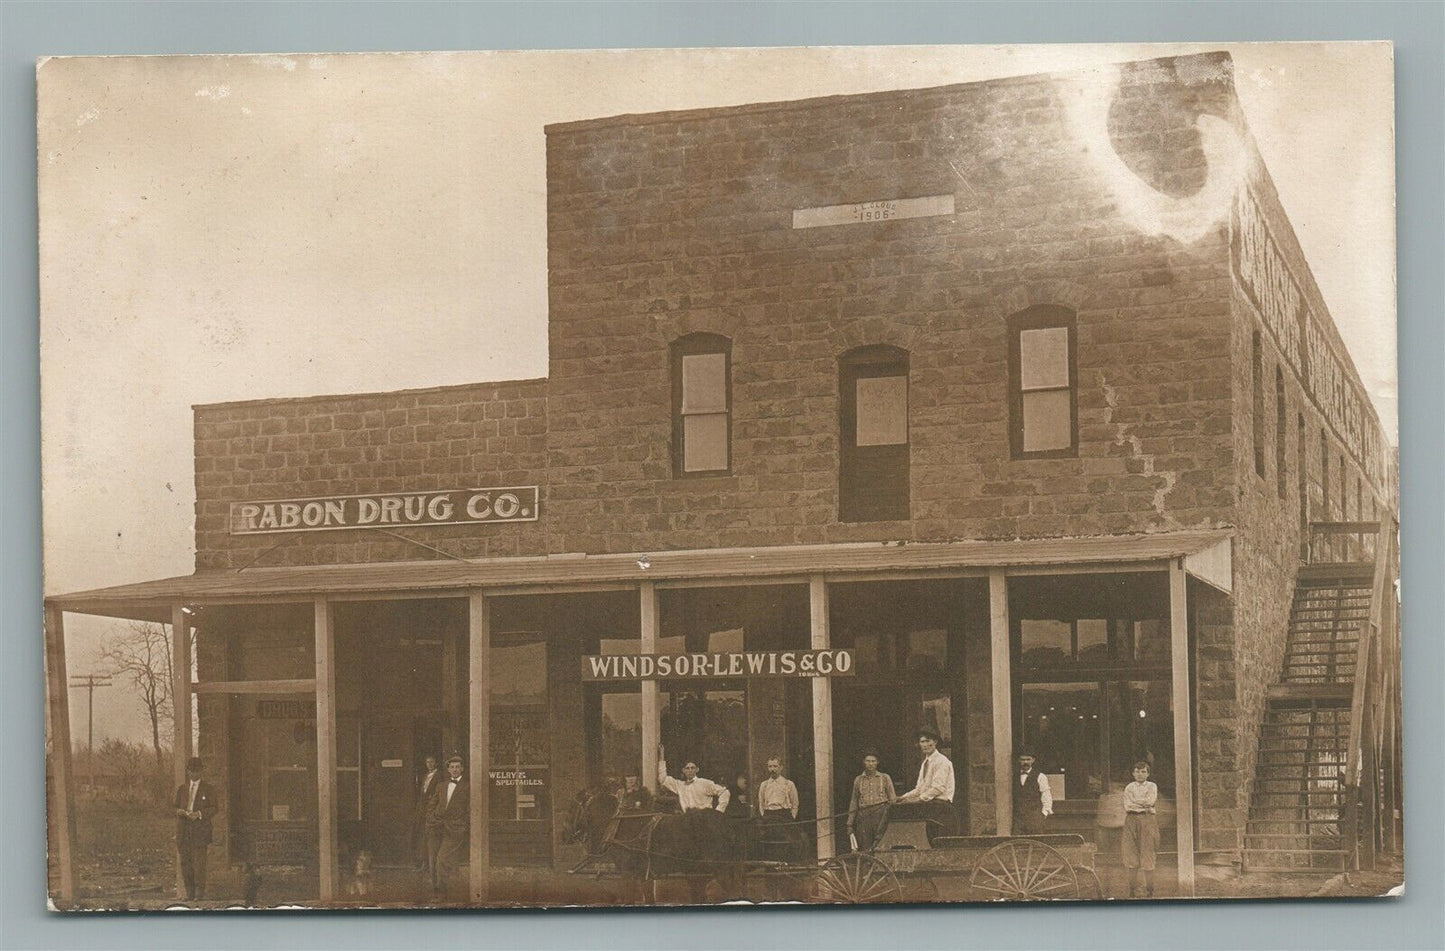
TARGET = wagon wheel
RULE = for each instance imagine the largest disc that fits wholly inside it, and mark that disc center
(856, 878)
(1090, 888)
(1023, 870)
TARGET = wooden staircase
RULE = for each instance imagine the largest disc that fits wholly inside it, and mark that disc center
(1298, 807)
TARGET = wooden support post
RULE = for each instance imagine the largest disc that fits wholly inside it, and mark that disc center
(181, 707)
(61, 792)
(326, 749)
(479, 715)
(822, 720)
(1003, 718)
(1183, 734)
(651, 701)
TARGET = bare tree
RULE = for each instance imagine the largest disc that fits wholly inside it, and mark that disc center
(140, 653)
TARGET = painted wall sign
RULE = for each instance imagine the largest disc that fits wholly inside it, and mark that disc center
(389, 510)
(391, 764)
(1270, 285)
(810, 663)
(286, 709)
(515, 777)
(872, 211)
(1267, 279)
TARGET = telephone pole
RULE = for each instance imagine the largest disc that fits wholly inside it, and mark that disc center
(90, 682)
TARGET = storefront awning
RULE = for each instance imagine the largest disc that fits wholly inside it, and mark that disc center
(1206, 555)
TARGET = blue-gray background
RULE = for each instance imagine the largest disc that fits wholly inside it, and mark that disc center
(30, 30)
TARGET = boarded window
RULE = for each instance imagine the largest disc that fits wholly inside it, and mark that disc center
(873, 466)
(702, 405)
(1043, 397)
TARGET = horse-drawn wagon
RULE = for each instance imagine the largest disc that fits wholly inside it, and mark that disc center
(707, 851)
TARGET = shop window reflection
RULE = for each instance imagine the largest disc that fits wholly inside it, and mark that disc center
(1061, 728)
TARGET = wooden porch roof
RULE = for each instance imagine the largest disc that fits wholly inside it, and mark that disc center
(152, 600)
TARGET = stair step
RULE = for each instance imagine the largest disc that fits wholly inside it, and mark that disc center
(1325, 691)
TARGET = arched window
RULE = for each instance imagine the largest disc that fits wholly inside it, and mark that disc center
(1043, 383)
(873, 469)
(702, 399)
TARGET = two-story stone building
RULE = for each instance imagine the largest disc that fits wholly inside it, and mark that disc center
(1018, 395)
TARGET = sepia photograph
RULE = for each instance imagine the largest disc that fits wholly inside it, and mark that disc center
(814, 476)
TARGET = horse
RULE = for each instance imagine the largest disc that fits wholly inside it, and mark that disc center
(703, 847)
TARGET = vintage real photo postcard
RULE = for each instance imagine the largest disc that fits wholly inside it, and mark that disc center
(844, 475)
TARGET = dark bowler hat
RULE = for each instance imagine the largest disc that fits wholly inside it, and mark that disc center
(194, 763)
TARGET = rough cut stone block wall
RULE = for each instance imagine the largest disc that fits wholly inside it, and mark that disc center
(487, 434)
(1240, 647)
(668, 224)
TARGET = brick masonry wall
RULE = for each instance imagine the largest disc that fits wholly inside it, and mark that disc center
(668, 225)
(488, 434)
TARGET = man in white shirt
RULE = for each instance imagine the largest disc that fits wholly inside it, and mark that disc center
(932, 797)
(778, 807)
(692, 793)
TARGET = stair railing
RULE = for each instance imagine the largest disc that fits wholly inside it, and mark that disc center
(1323, 547)
(1363, 691)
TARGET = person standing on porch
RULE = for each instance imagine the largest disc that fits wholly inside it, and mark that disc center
(932, 797)
(873, 793)
(1033, 799)
(692, 793)
(426, 788)
(778, 807)
(1141, 831)
(448, 823)
(195, 806)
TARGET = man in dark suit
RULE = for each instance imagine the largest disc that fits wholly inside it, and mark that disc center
(448, 821)
(426, 788)
(195, 805)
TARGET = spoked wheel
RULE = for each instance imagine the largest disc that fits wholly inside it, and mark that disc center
(1090, 888)
(856, 878)
(1023, 870)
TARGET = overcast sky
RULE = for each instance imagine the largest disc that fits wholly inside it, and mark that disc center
(220, 228)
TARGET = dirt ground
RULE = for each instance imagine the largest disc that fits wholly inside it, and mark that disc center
(126, 861)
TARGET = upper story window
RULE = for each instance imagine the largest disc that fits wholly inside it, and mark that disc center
(1043, 383)
(702, 397)
(1257, 377)
(873, 471)
(1279, 426)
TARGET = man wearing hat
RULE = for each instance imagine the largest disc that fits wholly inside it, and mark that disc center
(1033, 800)
(932, 797)
(873, 793)
(195, 805)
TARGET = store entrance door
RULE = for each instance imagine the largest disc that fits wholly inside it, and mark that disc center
(395, 751)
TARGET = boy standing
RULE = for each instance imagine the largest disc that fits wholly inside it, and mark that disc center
(1141, 830)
